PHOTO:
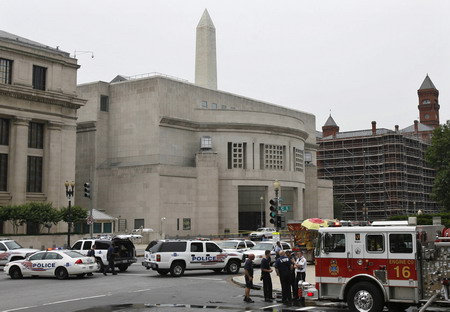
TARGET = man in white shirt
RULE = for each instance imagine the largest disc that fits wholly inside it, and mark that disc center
(300, 267)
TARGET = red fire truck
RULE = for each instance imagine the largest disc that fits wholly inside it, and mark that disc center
(396, 264)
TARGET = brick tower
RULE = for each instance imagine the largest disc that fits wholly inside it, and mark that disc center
(428, 103)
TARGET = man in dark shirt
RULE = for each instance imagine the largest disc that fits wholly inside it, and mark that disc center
(266, 278)
(110, 256)
(248, 271)
(283, 266)
(294, 286)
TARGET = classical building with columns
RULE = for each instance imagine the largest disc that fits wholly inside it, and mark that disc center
(188, 159)
(38, 105)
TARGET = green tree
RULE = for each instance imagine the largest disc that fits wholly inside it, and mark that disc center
(438, 157)
(77, 214)
(14, 214)
(43, 214)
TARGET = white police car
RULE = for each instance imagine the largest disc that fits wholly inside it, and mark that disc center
(58, 263)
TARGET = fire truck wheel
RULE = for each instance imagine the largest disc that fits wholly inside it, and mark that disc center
(365, 297)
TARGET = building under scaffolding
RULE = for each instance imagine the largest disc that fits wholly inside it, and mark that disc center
(378, 173)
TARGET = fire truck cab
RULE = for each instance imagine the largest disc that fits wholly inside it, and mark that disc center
(392, 264)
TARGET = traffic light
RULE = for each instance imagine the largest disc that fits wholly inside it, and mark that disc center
(273, 210)
(87, 190)
(278, 222)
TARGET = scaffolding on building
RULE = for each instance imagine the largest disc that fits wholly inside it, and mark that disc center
(377, 175)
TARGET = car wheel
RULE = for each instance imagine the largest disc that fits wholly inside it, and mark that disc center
(177, 269)
(15, 273)
(233, 267)
(61, 273)
(162, 272)
(123, 267)
(365, 297)
(101, 266)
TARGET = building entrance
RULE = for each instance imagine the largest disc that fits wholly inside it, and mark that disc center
(252, 203)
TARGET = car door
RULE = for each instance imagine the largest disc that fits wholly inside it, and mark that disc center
(213, 255)
(32, 266)
(3, 254)
(197, 255)
(50, 262)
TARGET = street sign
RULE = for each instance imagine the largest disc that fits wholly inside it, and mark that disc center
(285, 208)
(89, 220)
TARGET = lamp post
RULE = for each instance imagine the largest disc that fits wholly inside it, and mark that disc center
(160, 226)
(356, 210)
(276, 187)
(261, 199)
(69, 194)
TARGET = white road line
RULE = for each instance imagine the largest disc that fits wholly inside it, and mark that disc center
(305, 308)
(139, 290)
(75, 299)
(271, 306)
(204, 278)
(17, 309)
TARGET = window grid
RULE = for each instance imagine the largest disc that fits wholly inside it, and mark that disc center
(5, 71)
(273, 157)
(34, 174)
(298, 159)
(237, 158)
(104, 103)
(4, 131)
(39, 77)
(3, 172)
(36, 135)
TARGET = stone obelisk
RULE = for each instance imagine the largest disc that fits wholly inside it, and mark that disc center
(205, 54)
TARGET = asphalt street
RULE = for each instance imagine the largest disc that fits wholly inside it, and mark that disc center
(137, 289)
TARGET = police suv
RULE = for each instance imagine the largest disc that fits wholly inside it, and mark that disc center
(176, 256)
(10, 250)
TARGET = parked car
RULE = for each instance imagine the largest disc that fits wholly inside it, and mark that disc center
(58, 263)
(262, 233)
(260, 249)
(176, 256)
(236, 245)
(10, 250)
(124, 248)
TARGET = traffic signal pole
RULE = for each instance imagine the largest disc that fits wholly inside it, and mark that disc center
(277, 200)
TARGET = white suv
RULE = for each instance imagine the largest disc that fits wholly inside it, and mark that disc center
(262, 233)
(176, 256)
(10, 250)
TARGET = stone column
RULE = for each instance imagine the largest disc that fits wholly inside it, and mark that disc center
(18, 186)
(52, 176)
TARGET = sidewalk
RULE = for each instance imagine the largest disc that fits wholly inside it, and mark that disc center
(257, 283)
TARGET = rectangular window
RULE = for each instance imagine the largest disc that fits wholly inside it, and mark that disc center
(273, 157)
(34, 174)
(104, 103)
(186, 224)
(36, 135)
(4, 131)
(138, 223)
(204, 104)
(3, 172)
(196, 247)
(5, 71)
(334, 243)
(237, 153)
(224, 107)
(107, 227)
(39, 77)
(122, 225)
(298, 159)
(97, 229)
(214, 106)
(375, 243)
(400, 243)
(308, 157)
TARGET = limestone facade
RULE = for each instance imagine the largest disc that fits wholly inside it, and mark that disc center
(38, 105)
(203, 159)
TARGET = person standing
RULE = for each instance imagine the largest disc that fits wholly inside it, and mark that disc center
(294, 285)
(283, 267)
(248, 271)
(110, 256)
(265, 276)
(91, 253)
(278, 249)
(300, 267)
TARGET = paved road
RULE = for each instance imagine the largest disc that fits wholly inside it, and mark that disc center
(135, 290)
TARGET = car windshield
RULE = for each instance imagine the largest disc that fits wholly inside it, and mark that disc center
(263, 246)
(73, 254)
(228, 245)
(260, 230)
(13, 245)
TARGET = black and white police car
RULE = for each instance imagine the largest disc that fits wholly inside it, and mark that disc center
(58, 263)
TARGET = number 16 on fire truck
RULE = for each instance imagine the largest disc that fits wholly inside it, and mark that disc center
(391, 263)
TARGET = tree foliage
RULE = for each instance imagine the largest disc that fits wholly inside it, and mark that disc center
(14, 214)
(42, 214)
(438, 157)
(77, 214)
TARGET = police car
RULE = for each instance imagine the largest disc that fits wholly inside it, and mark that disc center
(58, 263)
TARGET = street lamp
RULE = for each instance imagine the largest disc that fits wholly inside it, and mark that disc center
(160, 226)
(262, 212)
(69, 194)
(276, 187)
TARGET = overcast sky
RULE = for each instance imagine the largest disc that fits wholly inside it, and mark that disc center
(363, 60)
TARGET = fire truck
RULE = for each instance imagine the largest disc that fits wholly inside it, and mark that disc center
(394, 263)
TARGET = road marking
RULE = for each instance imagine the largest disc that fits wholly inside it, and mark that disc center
(204, 278)
(271, 306)
(305, 308)
(17, 309)
(75, 299)
(139, 290)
